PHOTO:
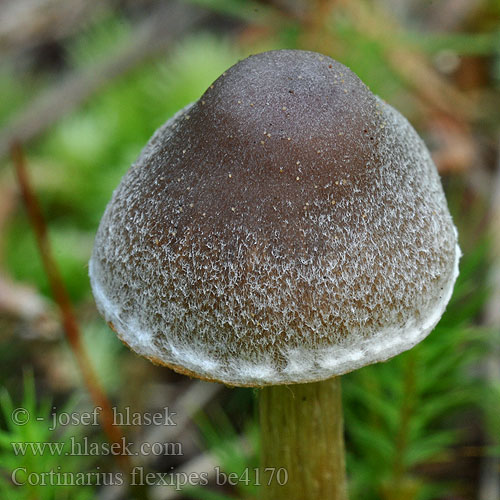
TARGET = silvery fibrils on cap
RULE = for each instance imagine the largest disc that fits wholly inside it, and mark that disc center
(289, 226)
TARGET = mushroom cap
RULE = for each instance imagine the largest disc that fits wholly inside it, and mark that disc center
(287, 227)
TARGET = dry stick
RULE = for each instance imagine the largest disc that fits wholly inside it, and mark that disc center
(163, 27)
(62, 299)
(302, 442)
(70, 325)
(195, 398)
(31, 23)
(412, 66)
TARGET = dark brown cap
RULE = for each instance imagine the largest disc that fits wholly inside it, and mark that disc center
(287, 227)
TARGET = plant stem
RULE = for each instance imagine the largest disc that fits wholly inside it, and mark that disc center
(302, 432)
(69, 321)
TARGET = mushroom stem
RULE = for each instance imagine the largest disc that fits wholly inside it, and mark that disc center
(302, 433)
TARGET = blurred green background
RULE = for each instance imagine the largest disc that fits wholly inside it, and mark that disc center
(84, 84)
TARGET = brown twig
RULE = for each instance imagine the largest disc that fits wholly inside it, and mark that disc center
(63, 301)
(429, 86)
(154, 35)
(31, 23)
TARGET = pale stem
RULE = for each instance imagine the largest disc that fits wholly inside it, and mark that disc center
(302, 433)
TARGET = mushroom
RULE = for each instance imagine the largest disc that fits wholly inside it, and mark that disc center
(286, 228)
